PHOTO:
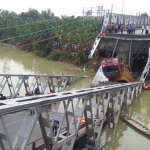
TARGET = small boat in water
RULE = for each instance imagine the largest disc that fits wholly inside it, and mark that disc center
(135, 124)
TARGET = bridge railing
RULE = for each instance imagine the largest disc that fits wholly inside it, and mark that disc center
(17, 84)
(88, 103)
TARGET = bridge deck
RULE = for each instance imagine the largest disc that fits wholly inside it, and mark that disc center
(138, 36)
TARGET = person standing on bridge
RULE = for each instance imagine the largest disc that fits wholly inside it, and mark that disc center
(116, 28)
(37, 91)
(32, 111)
(130, 29)
(122, 28)
(143, 27)
(110, 26)
(55, 126)
(133, 28)
(147, 30)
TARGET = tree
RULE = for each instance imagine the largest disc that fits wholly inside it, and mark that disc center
(39, 30)
(144, 14)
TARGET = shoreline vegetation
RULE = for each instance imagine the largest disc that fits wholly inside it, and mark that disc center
(66, 39)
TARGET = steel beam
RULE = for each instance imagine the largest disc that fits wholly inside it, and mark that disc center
(129, 64)
(30, 82)
(115, 48)
(140, 52)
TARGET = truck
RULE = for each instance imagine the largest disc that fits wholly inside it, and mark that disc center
(115, 71)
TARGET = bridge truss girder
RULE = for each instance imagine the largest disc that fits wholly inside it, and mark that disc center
(30, 82)
(94, 104)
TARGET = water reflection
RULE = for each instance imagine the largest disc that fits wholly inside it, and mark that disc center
(114, 135)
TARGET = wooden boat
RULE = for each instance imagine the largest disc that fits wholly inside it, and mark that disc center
(136, 124)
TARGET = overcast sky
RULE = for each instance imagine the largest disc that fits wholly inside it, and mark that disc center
(68, 7)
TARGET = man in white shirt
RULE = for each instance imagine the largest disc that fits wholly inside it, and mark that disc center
(143, 27)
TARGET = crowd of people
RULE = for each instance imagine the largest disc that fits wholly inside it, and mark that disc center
(60, 46)
(130, 28)
(71, 48)
(115, 28)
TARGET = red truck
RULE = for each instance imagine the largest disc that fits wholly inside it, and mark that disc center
(111, 67)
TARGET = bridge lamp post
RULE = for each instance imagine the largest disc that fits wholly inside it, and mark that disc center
(123, 6)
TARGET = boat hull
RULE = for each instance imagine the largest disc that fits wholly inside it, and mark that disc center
(136, 124)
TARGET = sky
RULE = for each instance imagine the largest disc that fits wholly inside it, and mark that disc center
(70, 7)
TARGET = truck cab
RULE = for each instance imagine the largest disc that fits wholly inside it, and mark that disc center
(111, 67)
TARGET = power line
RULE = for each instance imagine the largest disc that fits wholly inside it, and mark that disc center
(48, 38)
(42, 41)
(40, 31)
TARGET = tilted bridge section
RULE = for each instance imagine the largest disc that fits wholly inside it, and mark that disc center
(94, 104)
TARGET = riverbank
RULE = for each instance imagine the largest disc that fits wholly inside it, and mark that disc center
(76, 58)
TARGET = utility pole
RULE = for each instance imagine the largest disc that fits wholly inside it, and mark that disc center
(83, 11)
(111, 13)
(123, 6)
(100, 11)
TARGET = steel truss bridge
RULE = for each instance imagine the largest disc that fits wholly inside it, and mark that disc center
(16, 83)
(90, 103)
(95, 105)
(125, 19)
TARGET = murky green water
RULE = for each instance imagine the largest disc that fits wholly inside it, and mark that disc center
(123, 137)
(15, 61)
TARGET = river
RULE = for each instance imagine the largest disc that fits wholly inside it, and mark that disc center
(123, 136)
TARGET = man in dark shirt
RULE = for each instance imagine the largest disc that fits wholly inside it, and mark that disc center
(55, 126)
(2, 97)
(37, 91)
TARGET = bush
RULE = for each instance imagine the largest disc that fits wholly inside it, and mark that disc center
(81, 59)
(64, 55)
(32, 48)
(47, 49)
(55, 55)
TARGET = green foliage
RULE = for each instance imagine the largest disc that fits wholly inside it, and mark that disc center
(55, 55)
(84, 59)
(32, 48)
(47, 49)
(68, 31)
(64, 55)
(144, 14)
